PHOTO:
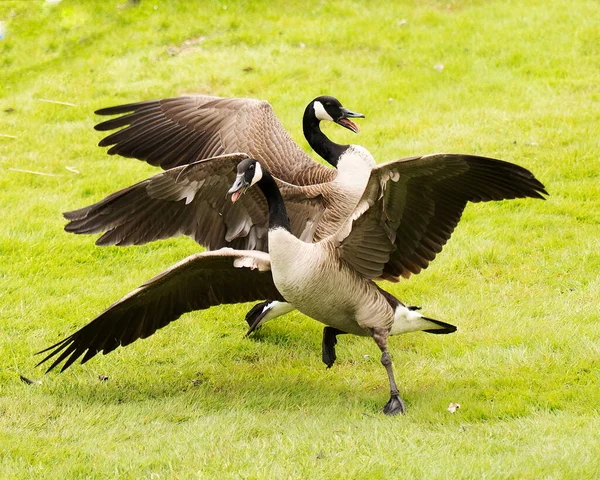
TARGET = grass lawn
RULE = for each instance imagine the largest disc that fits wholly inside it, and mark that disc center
(517, 80)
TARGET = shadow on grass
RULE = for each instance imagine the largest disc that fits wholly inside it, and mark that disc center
(348, 389)
(279, 370)
(213, 393)
(273, 370)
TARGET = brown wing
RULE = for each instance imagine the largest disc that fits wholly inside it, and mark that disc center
(192, 200)
(411, 207)
(196, 283)
(183, 130)
(308, 209)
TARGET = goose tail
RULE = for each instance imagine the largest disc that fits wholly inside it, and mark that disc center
(439, 328)
(408, 319)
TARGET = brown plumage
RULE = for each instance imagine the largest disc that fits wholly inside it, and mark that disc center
(182, 130)
(196, 283)
(419, 199)
(405, 210)
(412, 204)
(191, 200)
(415, 203)
(406, 213)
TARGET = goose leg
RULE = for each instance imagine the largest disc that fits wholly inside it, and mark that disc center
(328, 346)
(264, 311)
(395, 405)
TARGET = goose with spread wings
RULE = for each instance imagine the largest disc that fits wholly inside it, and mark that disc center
(178, 131)
(204, 130)
(405, 215)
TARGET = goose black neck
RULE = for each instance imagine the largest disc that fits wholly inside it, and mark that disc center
(319, 142)
(277, 213)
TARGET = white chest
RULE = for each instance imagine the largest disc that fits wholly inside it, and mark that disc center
(293, 262)
(354, 169)
(310, 279)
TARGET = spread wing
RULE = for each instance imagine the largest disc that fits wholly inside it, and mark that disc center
(183, 130)
(192, 200)
(411, 206)
(198, 282)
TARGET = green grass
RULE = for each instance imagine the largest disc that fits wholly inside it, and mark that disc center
(520, 82)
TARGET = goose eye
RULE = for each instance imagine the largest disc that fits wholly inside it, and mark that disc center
(251, 167)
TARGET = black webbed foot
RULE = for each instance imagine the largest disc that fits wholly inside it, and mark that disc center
(394, 406)
(328, 346)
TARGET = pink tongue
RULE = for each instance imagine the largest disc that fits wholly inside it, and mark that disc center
(350, 124)
(235, 196)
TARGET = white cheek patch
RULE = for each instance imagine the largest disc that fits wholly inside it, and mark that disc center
(257, 174)
(320, 112)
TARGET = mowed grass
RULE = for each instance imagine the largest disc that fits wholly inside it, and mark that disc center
(516, 80)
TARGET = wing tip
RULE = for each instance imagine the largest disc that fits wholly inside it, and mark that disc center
(124, 108)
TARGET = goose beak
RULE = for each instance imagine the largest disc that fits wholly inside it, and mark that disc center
(238, 188)
(345, 121)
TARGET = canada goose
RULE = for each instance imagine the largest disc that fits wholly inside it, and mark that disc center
(185, 130)
(178, 131)
(331, 280)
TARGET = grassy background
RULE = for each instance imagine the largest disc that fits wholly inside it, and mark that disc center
(517, 80)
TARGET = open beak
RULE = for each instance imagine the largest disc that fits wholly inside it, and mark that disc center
(238, 188)
(345, 121)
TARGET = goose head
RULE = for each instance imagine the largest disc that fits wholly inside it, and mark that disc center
(327, 108)
(249, 172)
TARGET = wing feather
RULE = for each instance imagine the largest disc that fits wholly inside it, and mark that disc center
(210, 126)
(414, 205)
(196, 283)
(192, 200)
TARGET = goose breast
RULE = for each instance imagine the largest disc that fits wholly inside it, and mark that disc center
(311, 277)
